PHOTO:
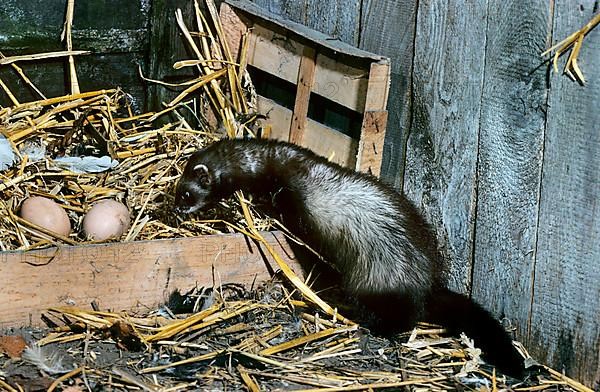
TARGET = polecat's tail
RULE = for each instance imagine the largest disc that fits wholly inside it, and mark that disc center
(458, 313)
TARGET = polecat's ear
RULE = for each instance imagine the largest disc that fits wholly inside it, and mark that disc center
(202, 175)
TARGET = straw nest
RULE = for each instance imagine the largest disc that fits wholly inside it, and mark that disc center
(132, 160)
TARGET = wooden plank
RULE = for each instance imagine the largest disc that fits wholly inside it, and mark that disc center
(441, 153)
(331, 144)
(166, 47)
(372, 133)
(341, 82)
(121, 276)
(378, 86)
(388, 29)
(327, 142)
(371, 142)
(304, 83)
(337, 18)
(280, 56)
(565, 320)
(510, 149)
(299, 27)
(278, 117)
(275, 53)
(292, 10)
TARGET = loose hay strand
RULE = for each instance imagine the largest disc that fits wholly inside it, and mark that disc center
(287, 271)
(574, 40)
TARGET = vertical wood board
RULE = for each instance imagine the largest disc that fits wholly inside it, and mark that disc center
(166, 47)
(441, 155)
(304, 84)
(292, 10)
(510, 156)
(337, 18)
(388, 29)
(371, 142)
(370, 147)
(565, 320)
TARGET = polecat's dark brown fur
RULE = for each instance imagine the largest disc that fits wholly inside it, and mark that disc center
(386, 253)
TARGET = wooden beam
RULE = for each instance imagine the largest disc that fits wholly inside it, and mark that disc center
(379, 86)
(370, 147)
(121, 276)
(370, 150)
(306, 78)
(565, 317)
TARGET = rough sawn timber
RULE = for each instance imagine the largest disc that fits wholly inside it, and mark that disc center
(565, 316)
(123, 276)
(510, 159)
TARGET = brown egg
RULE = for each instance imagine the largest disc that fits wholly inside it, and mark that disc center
(47, 214)
(106, 219)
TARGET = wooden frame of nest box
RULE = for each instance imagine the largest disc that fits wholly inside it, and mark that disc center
(350, 83)
(122, 276)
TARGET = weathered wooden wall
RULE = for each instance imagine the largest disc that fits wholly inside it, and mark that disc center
(565, 312)
(500, 154)
(115, 31)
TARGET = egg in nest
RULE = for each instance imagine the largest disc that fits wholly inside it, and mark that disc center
(106, 219)
(46, 213)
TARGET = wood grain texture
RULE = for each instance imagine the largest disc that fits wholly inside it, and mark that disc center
(337, 18)
(325, 141)
(388, 29)
(341, 80)
(372, 133)
(292, 10)
(121, 276)
(510, 158)
(441, 154)
(118, 42)
(166, 47)
(371, 142)
(235, 25)
(565, 320)
(304, 84)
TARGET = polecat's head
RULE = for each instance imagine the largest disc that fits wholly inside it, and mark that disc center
(194, 188)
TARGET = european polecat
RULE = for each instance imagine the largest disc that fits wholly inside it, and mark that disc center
(386, 253)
